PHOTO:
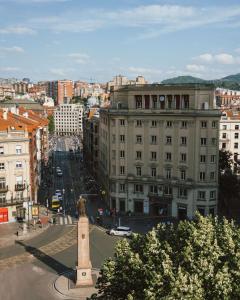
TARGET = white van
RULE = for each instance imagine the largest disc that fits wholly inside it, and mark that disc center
(121, 231)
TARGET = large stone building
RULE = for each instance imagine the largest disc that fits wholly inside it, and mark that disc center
(159, 150)
(61, 91)
(68, 119)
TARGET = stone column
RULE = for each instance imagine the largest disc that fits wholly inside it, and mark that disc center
(84, 267)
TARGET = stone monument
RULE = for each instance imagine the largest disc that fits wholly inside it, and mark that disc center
(84, 267)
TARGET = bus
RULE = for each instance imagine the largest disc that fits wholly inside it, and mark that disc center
(55, 202)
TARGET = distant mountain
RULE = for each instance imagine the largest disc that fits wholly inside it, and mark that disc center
(229, 82)
(183, 79)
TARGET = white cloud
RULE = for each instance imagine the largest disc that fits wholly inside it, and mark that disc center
(57, 71)
(21, 30)
(220, 58)
(142, 71)
(225, 59)
(195, 68)
(9, 69)
(80, 58)
(206, 57)
(14, 49)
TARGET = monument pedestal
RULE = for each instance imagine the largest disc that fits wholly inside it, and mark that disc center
(84, 267)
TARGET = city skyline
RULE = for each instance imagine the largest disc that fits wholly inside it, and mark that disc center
(57, 39)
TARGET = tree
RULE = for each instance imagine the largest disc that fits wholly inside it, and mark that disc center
(229, 185)
(51, 125)
(193, 260)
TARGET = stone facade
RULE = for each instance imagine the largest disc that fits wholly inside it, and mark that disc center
(159, 150)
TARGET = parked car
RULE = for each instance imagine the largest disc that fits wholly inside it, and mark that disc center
(121, 231)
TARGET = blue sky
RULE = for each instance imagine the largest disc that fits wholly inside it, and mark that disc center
(97, 39)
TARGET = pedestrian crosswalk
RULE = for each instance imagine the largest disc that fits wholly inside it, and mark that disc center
(65, 220)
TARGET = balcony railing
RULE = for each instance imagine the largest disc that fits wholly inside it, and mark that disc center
(3, 188)
(11, 202)
(19, 187)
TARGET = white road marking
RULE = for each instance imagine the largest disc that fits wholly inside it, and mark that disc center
(69, 220)
(61, 220)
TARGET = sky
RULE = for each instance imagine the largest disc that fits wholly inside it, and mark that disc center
(95, 40)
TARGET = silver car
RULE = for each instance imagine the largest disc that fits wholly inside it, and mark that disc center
(121, 231)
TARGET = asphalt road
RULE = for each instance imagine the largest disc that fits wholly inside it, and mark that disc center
(28, 269)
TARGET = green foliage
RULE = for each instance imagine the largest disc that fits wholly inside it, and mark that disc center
(195, 260)
(225, 161)
(51, 125)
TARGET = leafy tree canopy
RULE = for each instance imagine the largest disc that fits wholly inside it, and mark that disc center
(194, 260)
(51, 125)
(225, 161)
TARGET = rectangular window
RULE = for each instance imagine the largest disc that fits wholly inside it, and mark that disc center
(204, 124)
(139, 123)
(167, 190)
(202, 158)
(214, 124)
(122, 170)
(213, 158)
(154, 101)
(1, 150)
(122, 122)
(138, 101)
(183, 174)
(183, 157)
(153, 155)
(122, 138)
(2, 198)
(18, 149)
(153, 172)
(138, 188)
(2, 182)
(213, 195)
(122, 187)
(139, 155)
(224, 135)
(223, 145)
(168, 140)
(168, 174)
(203, 141)
(168, 156)
(236, 127)
(113, 138)
(147, 101)
(202, 176)
(201, 195)
(214, 141)
(153, 189)
(138, 139)
(18, 164)
(19, 180)
(235, 145)
(138, 171)
(169, 124)
(236, 134)
(182, 193)
(154, 123)
(122, 154)
(212, 175)
(2, 166)
(113, 169)
(183, 140)
(154, 139)
(224, 127)
(184, 124)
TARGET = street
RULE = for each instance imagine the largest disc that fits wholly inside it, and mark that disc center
(28, 269)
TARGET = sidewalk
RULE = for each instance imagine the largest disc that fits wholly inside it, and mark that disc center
(10, 232)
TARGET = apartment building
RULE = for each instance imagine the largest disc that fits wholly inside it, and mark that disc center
(15, 175)
(159, 150)
(229, 137)
(61, 91)
(68, 119)
(91, 141)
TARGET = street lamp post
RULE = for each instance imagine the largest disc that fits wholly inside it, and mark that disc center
(63, 202)
(28, 205)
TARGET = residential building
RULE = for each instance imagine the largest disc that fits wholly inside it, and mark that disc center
(229, 135)
(120, 80)
(20, 87)
(68, 119)
(156, 148)
(61, 91)
(228, 98)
